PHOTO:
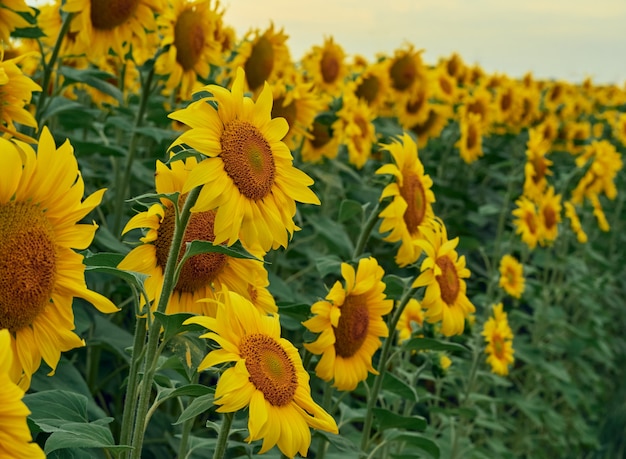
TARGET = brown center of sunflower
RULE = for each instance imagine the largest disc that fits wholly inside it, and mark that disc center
(498, 345)
(549, 216)
(109, 14)
(321, 134)
(289, 111)
(260, 64)
(352, 327)
(416, 102)
(189, 38)
(529, 218)
(403, 72)
(506, 101)
(200, 270)
(477, 107)
(28, 263)
(510, 277)
(271, 370)
(421, 129)
(412, 190)
(540, 167)
(472, 136)
(329, 67)
(248, 159)
(445, 85)
(368, 89)
(448, 280)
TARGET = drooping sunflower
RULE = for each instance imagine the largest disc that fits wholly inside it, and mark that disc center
(202, 275)
(248, 177)
(40, 273)
(16, 438)
(264, 57)
(325, 66)
(111, 25)
(570, 213)
(526, 221)
(15, 93)
(350, 323)
(411, 318)
(499, 341)
(190, 28)
(512, 276)
(356, 130)
(549, 216)
(470, 144)
(406, 70)
(443, 273)
(411, 206)
(267, 377)
(10, 19)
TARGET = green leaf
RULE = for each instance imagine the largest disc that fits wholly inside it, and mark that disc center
(173, 324)
(393, 384)
(82, 435)
(395, 285)
(103, 259)
(83, 148)
(58, 105)
(189, 390)
(334, 234)
(200, 247)
(197, 406)
(52, 409)
(387, 419)
(416, 440)
(94, 78)
(348, 209)
(420, 344)
(329, 264)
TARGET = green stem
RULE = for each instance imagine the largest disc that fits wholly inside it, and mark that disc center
(49, 66)
(365, 233)
(222, 438)
(186, 431)
(123, 184)
(382, 369)
(322, 444)
(130, 402)
(154, 331)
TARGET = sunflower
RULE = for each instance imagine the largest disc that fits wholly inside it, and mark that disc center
(356, 129)
(104, 25)
(598, 212)
(190, 28)
(537, 166)
(412, 317)
(15, 93)
(267, 376)
(350, 323)
(549, 128)
(527, 222)
(411, 206)
(605, 163)
(480, 103)
(406, 70)
(320, 142)
(202, 274)
(570, 213)
(619, 128)
(10, 19)
(444, 86)
(499, 339)
(249, 176)
(470, 144)
(435, 122)
(16, 437)
(326, 68)
(372, 85)
(264, 57)
(549, 216)
(413, 107)
(50, 21)
(40, 273)
(442, 273)
(511, 276)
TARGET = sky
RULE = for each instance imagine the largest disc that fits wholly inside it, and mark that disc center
(555, 39)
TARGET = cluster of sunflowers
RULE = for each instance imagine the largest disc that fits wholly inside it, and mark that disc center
(241, 123)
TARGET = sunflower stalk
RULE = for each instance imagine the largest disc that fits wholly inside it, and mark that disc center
(222, 438)
(154, 331)
(122, 181)
(366, 231)
(382, 368)
(322, 443)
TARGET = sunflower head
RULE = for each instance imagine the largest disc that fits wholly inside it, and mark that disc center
(511, 276)
(499, 341)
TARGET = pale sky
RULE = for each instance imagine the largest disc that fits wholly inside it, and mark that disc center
(561, 39)
(566, 39)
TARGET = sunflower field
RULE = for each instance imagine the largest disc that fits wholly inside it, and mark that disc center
(211, 249)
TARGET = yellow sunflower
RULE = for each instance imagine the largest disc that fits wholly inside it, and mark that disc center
(444, 86)
(526, 221)
(104, 25)
(10, 19)
(549, 216)
(267, 377)
(470, 144)
(320, 142)
(190, 28)
(435, 122)
(350, 323)
(413, 107)
(248, 177)
(325, 66)
(264, 57)
(372, 85)
(15, 93)
(356, 129)
(411, 206)
(443, 273)
(40, 273)
(619, 128)
(406, 70)
(499, 339)
(512, 276)
(537, 166)
(412, 317)
(605, 163)
(15, 434)
(203, 274)
(598, 212)
(480, 103)
(570, 213)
